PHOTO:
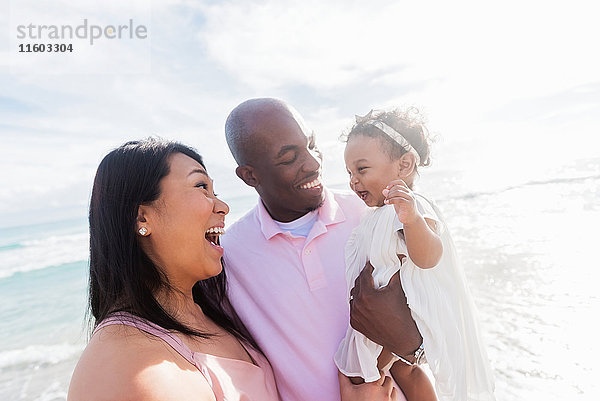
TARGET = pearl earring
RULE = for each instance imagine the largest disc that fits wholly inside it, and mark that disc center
(143, 231)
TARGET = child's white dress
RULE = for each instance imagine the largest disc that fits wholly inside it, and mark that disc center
(439, 300)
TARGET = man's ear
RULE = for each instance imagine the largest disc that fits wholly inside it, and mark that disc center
(407, 164)
(247, 174)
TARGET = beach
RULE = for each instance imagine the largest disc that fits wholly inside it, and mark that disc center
(532, 271)
(509, 94)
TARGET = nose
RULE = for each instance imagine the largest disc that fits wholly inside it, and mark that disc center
(220, 207)
(312, 162)
(353, 181)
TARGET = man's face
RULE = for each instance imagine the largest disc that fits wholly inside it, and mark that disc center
(288, 166)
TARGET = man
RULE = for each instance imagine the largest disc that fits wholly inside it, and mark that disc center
(285, 258)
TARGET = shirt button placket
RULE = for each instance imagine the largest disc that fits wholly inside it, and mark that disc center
(312, 268)
(306, 264)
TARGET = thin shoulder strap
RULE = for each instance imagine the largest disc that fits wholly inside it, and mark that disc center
(128, 319)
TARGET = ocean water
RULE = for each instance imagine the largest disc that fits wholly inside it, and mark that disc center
(529, 251)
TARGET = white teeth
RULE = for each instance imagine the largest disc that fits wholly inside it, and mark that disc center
(312, 184)
(216, 230)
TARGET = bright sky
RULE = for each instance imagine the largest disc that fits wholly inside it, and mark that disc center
(512, 87)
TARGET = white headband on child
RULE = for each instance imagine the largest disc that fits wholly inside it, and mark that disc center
(395, 135)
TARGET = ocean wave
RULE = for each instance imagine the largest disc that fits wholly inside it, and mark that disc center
(43, 253)
(36, 355)
(10, 246)
(55, 392)
(558, 180)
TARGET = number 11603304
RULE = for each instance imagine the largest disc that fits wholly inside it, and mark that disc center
(45, 48)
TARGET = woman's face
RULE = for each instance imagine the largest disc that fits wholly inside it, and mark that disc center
(184, 223)
(370, 168)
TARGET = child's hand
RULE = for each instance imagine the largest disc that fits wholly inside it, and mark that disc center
(380, 390)
(399, 194)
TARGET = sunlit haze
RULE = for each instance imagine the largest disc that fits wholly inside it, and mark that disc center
(510, 89)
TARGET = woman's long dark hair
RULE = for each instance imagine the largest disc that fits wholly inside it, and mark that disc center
(122, 276)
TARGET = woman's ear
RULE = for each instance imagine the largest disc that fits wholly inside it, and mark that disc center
(407, 164)
(246, 173)
(142, 223)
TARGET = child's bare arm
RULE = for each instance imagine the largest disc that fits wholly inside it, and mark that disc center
(413, 381)
(423, 244)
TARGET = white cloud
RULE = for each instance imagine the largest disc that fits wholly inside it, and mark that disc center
(468, 48)
(460, 61)
(322, 44)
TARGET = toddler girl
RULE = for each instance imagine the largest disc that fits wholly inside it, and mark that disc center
(405, 232)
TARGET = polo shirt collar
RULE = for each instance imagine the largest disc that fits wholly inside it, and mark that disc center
(330, 212)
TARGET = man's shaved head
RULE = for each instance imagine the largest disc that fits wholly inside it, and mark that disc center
(245, 123)
(277, 155)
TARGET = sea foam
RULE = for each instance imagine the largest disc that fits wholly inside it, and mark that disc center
(36, 355)
(39, 254)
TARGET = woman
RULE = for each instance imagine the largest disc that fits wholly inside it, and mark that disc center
(164, 328)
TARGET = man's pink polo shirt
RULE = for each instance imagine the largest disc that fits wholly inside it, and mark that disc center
(291, 293)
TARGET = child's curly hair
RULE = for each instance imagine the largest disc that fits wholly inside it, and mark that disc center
(409, 123)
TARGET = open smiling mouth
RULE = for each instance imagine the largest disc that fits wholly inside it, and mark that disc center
(362, 194)
(315, 184)
(212, 235)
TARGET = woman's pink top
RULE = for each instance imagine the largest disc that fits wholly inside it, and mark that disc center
(229, 379)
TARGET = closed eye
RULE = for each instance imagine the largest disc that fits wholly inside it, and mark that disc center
(290, 161)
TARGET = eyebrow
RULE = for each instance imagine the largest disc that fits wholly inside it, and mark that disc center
(199, 171)
(289, 148)
(285, 149)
